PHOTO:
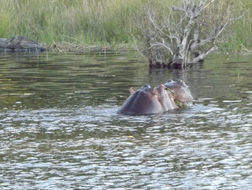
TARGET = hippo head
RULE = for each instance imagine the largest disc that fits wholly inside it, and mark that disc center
(147, 100)
(166, 98)
(180, 91)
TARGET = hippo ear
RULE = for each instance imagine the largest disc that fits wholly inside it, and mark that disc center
(132, 90)
(183, 83)
(179, 81)
(162, 86)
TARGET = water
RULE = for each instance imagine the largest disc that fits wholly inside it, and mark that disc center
(59, 128)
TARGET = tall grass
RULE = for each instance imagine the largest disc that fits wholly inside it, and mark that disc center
(95, 22)
(82, 21)
(241, 31)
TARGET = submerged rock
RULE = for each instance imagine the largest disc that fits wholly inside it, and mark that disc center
(20, 44)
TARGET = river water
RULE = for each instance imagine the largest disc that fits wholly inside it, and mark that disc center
(59, 128)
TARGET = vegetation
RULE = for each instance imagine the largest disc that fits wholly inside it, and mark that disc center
(185, 33)
(79, 21)
(95, 22)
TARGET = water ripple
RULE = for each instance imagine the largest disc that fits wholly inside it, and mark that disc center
(59, 128)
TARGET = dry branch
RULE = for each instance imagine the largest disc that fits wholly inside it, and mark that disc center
(184, 34)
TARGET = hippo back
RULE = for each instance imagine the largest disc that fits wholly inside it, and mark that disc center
(141, 102)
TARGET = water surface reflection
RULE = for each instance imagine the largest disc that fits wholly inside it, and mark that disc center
(59, 128)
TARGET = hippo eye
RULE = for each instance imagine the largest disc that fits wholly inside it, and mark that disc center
(146, 86)
(141, 93)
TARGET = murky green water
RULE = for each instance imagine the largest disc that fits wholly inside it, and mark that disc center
(59, 128)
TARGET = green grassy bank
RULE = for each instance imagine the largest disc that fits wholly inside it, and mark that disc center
(241, 31)
(94, 22)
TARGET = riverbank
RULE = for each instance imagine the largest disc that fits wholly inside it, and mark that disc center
(67, 47)
(110, 24)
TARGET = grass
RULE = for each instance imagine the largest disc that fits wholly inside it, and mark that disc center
(78, 21)
(240, 39)
(94, 22)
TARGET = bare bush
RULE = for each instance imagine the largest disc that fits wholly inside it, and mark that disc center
(183, 34)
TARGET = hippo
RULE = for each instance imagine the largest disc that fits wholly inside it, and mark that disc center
(147, 100)
(19, 44)
(181, 93)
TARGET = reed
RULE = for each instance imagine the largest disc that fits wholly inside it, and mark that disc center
(96, 22)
